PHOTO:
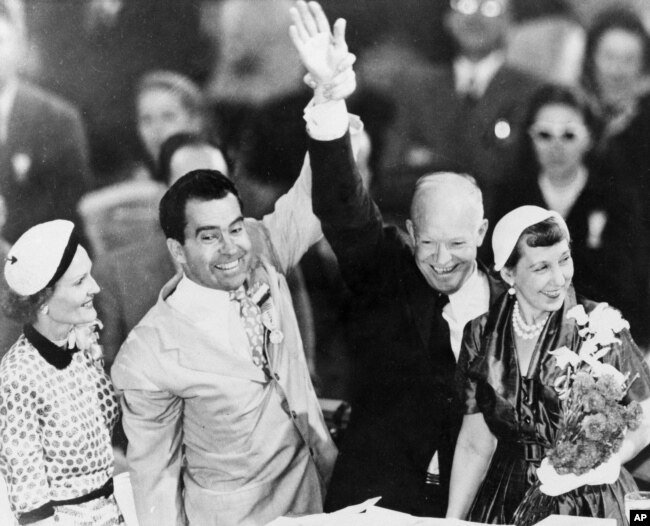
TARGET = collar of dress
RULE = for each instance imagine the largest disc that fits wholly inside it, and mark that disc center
(57, 356)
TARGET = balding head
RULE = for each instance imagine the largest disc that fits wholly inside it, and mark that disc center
(446, 228)
(446, 189)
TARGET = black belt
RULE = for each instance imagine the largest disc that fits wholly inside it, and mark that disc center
(533, 452)
(105, 491)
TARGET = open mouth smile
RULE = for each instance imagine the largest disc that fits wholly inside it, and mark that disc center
(443, 270)
(552, 294)
(231, 265)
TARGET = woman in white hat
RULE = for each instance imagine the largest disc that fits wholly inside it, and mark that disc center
(57, 405)
(508, 374)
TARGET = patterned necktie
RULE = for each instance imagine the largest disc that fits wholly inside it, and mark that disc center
(251, 316)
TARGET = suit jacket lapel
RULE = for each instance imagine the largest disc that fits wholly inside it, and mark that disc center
(194, 350)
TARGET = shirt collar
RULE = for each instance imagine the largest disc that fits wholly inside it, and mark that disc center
(194, 300)
(482, 72)
(466, 294)
(59, 357)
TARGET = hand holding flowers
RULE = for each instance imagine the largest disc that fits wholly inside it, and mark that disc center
(594, 419)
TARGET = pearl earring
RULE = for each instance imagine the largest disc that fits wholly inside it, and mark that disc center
(511, 290)
(44, 310)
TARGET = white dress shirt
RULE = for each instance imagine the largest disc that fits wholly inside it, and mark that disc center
(473, 78)
(467, 303)
(213, 313)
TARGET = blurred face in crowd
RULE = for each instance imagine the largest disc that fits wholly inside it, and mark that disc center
(560, 140)
(161, 114)
(618, 65)
(478, 27)
(446, 230)
(72, 300)
(217, 250)
(541, 278)
(195, 157)
(9, 50)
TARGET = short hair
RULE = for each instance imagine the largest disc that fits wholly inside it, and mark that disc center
(201, 185)
(459, 181)
(187, 91)
(23, 309)
(612, 18)
(171, 145)
(543, 234)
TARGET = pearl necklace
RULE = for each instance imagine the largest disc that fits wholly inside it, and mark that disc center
(522, 329)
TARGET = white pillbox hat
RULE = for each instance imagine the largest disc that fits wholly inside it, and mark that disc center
(40, 256)
(510, 227)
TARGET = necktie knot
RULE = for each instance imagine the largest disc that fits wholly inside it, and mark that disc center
(238, 294)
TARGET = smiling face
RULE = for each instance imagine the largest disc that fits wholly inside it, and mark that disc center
(560, 139)
(618, 64)
(72, 300)
(162, 114)
(216, 252)
(541, 278)
(446, 231)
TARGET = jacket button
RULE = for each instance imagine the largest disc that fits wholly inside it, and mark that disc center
(277, 376)
(294, 414)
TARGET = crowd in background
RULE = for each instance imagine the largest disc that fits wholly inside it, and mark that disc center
(117, 77)
(104, 104)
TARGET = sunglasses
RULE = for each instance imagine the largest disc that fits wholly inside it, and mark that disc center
(566, 133)
(488, 8)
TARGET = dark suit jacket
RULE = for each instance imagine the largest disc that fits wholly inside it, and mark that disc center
(404, 405)
(614, 269)
(44, 163)
(436, 129)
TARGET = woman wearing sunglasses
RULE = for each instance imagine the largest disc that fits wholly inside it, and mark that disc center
(558, 169)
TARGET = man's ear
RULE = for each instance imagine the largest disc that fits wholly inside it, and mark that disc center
(482, 230)
(411, 230)
(176, 251)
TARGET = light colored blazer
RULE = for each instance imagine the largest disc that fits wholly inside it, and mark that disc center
(210, 441)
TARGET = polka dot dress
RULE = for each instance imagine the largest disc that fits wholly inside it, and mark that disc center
(55, 430)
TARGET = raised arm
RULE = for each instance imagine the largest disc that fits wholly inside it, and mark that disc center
(292, 226)
(350, 220)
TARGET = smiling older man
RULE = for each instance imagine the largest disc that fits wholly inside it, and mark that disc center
(413, 295)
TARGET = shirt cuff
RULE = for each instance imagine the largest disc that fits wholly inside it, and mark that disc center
(326, 121)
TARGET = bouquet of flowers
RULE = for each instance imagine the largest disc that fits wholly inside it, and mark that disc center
(594, 420)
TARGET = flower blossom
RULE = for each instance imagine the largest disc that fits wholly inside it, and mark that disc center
(565, 356)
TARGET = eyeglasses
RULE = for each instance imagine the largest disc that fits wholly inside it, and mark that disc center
(488, 8)
(567, 133)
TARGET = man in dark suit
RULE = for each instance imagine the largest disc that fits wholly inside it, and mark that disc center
(465, 116)
(412, 296)
(43, 151)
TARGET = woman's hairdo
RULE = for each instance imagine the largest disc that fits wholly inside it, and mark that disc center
(543, 234)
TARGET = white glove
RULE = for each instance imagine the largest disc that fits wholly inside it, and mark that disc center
(554, 484)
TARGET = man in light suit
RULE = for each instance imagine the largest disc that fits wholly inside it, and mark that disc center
(43, 149)
(465, 117)
(216, 437)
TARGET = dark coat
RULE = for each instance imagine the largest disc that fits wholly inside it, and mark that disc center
(612, 270)
(436, 129)
(404, 404)
(44, 163)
